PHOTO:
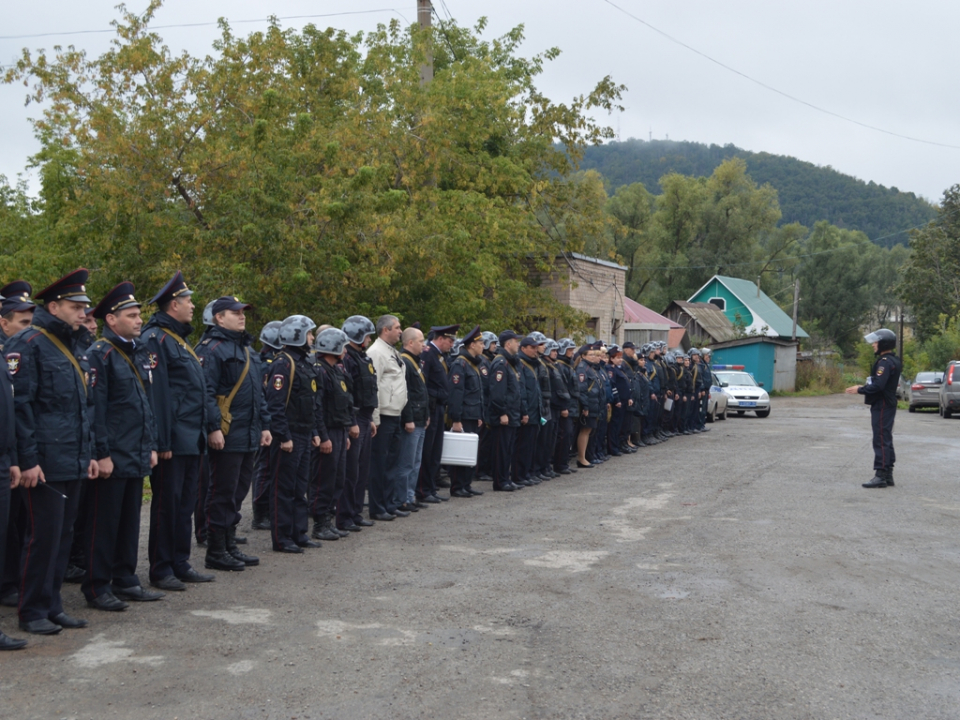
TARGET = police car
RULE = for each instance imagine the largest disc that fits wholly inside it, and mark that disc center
(742, 391)
(717, 403)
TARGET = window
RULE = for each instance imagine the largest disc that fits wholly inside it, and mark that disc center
(719, 302)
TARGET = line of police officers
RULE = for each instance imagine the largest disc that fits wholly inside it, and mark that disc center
(313, 423)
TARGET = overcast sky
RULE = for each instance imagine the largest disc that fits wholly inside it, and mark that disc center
(889, 64)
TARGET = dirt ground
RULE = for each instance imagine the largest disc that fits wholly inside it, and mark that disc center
(741, 573)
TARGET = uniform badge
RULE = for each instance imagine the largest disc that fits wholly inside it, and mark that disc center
(582, 377)
(499, 375)
(484, 371)
(205, 342)
(13, 363)
(278, 382)
(201, 359)
(92, 375)
(370, 367)
(153, 361)
(313, 385)
(455, 379)
(343, 385)
(880, 371)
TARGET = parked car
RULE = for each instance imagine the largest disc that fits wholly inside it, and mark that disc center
(925, 390)
(744, 393)
(948, 400)
(717, 401)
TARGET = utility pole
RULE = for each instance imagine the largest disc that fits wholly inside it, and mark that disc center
(425, 19)
(901, 333)
(796, 302)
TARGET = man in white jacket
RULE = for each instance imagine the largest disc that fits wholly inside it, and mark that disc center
(384, 495)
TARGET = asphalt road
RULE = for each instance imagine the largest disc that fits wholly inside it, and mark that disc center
(742, 573)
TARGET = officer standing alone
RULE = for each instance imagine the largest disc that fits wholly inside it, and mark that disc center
(880, 393)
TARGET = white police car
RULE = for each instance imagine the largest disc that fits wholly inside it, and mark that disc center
(717, 404)
(742, 391)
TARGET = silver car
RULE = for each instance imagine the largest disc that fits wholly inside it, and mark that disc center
(717, 402)
(925, 390)
(743, 393)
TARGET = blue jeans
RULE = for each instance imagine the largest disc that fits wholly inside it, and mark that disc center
(408, 465)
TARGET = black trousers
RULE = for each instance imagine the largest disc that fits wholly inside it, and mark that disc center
(881, 420)
(350, 505)
(46, 547)
(525, 450)
(461, 477)
(484, 453)
(652, 420)
(561, 452)
(111, 508)
(432, 452)
(327, 483)
(6, 519)
(200, 518)
(614, 429)
(546, 441)
(263, 479)
(175, 483)
(230, 476)
(16, 528)
(384, 475)
(503, 438)
(288, 491)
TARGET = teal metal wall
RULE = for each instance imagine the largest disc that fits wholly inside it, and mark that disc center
(757, 358)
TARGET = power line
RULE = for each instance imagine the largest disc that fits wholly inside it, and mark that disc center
(773, 89)
(207, 24)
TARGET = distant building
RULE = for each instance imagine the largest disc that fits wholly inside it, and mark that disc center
(747, 305)
(642, 325)
(704, 321)
(593, 286)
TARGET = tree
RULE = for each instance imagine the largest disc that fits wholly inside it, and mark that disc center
(312, 172)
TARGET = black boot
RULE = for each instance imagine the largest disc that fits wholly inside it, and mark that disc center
(217, 556)
(888, 476)
(261, 518)
(879, 480)
(231, 548)
(323, 529)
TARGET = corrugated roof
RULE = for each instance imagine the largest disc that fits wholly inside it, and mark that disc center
(634, 312)
(710, 318)
(763, 306)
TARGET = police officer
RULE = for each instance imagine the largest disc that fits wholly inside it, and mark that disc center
(9, 477)
(592, 400)
(530, 418)
(485, 453)
(334, 422)
(651, 427)
(547, 435)
(466, 405)
(504, 409)
(126, 448)
(238, 425)
(880, 393)
(16, 313)
(200, 511)
(54, 446)
(415, 418)
(436, 371)
(622, 414)
(177, 396)
(269, 347)
(559, 406)
(567, 424)
(292, 406)
(364, 386)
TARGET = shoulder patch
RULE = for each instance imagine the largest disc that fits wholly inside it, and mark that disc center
(499, 376)
(583, 377)
(13, 363)
(278, 381)
(152, 361)
(484, 371)
(880, 370)
(455, 378)
(92, 375)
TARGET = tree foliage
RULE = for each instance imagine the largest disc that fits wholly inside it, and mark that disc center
(313, 172)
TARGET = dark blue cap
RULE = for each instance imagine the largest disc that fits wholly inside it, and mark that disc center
(444, 331)
(629, 346)
(472, 335)
(176, 288)
(72, 286)
(120, 298)
(228, 302)
(16, 297)
(507, 335)
(529, 341)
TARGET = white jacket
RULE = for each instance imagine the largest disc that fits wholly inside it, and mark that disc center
(391, 379)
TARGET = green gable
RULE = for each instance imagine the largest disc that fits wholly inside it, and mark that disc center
(741, 298)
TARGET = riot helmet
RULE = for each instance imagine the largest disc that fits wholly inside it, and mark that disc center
(331, 342)
(294, 329)
(270, 334)
(358, 328)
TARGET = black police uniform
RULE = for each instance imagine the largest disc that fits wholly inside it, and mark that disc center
(436, 372)
(485, 452)
(416, 411)
(620, 417)
(8, 459)
(53, 431)
(506, 398)
(465, 405)
(125, 432)
(263, 477)
(365, 400)
(547, 436)
(567, 428)
(525, 453)
(559, 403)
(293, 409)
(224, 355)
(592, 393)
(335, 418)
(880, 393)
(177, 396)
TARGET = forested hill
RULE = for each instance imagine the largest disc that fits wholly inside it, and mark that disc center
(808, 193)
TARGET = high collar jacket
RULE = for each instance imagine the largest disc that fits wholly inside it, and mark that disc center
(506, 390)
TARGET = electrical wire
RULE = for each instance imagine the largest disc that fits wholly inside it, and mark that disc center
(207, 24)
(776, 90)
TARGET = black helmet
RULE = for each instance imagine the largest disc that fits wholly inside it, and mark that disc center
(885, 339)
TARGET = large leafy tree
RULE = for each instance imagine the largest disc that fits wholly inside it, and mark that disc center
(313, 172)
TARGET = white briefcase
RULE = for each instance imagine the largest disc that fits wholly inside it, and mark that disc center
(668, 405)
(460, 449)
